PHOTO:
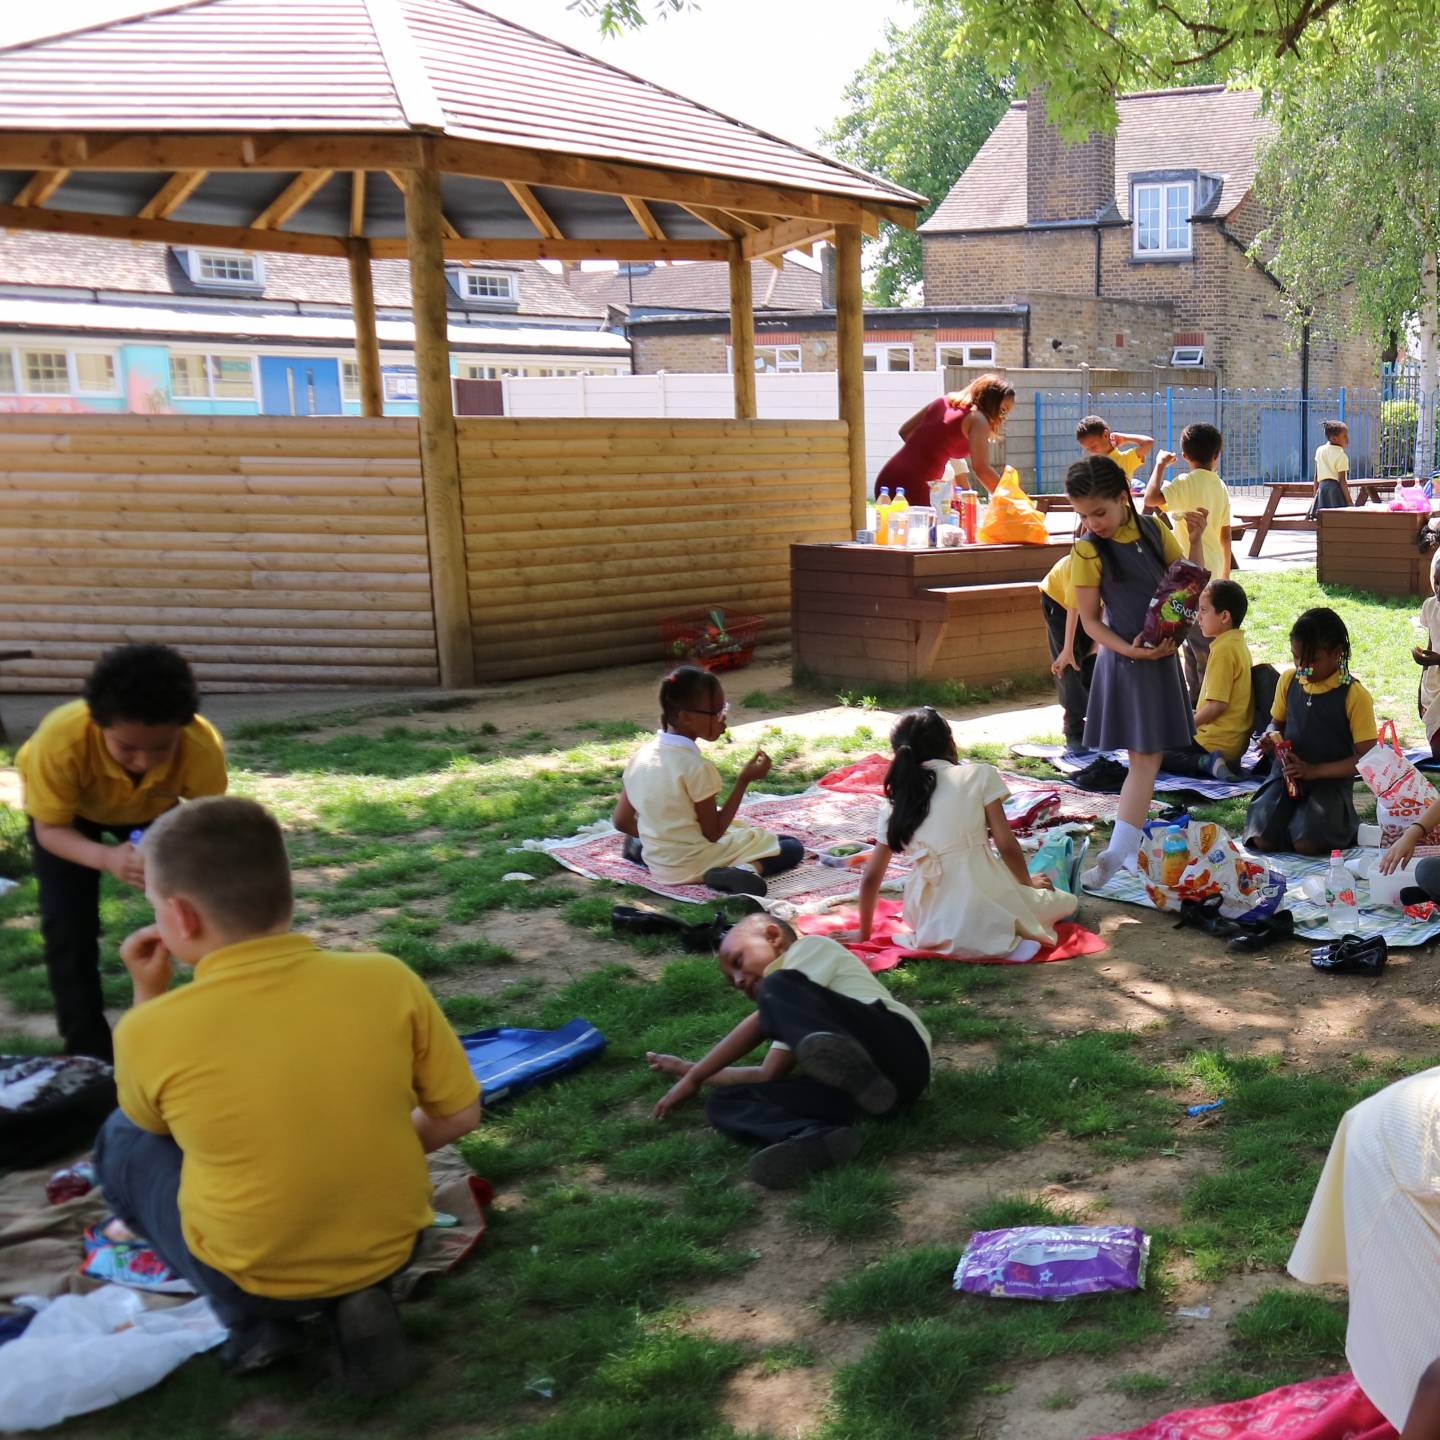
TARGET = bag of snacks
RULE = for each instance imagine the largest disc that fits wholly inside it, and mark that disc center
(1011, 517)
(1174, 604)
(1053, 1262)
(1197, 860)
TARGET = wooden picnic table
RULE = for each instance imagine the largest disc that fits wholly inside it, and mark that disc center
(12, 655)
(1277, 490)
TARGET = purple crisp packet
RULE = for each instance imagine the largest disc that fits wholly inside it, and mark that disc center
(1053, 1262)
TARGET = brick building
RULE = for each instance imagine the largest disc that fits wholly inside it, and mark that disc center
(1130, 249)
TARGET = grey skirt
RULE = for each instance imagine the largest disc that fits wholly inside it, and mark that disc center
(1138, 705)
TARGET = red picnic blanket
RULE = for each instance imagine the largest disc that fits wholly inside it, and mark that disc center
(880, 952)
(1334, 1408)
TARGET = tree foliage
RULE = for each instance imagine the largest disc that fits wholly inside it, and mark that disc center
(1086, 52)
(916, 113)
(614, 17)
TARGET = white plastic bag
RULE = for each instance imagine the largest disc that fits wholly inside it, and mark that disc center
(84, 1352)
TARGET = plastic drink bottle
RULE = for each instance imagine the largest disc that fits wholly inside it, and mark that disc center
(899, 522)
(1340, 904)
(882, 517)
(1174, 855)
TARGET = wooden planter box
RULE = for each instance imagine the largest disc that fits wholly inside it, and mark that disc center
(876, 613)
(1372, 549)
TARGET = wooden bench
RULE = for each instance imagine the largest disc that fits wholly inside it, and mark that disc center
(12, 655)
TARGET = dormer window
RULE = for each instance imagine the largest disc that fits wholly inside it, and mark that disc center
(223, 269)
(497, 287)
(1161, 211)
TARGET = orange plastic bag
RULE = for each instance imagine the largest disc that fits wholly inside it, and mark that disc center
(1011, 517)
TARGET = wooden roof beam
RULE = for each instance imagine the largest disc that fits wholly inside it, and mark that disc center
(357, 203)
(644, 218)
(291, 200)
(786, 235)
(168, 232)
(398, 180)
(41, 186)
(172, 194)
(717, 220)
(470, 249)
(535, 212)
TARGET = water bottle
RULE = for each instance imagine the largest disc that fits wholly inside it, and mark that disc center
(1174, 855)
(1340, 903)
(136, 838)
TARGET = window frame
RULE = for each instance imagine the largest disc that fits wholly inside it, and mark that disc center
(798, 368)
(346, 367)
(208, 371)
(199, 254)
(511, 280)
(967, 360)
(1162, 189)
(1179, 351)
(112, 356)
(882, 349)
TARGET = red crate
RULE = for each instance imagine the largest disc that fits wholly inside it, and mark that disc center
(713, 639)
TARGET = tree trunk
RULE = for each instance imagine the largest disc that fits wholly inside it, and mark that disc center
(1429, 373)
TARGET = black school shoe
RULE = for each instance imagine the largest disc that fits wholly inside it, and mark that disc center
(1103, 775)
(373, 1357)
(734, 880)
(251, 1348)
(1352, 955)
(842, 1062)
(1257, 935)
(701, 939)
(787, 1164)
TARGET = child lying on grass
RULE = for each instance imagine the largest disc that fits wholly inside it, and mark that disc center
(859, 1049)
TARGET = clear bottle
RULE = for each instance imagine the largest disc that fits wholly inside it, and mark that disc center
(1343, 912)
(1174, 855)
(899, 519)
(882, 516)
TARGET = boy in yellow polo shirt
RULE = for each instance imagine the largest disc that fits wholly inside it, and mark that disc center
(1224, 717)
(1097, 438)
(1072, 651)
(275, 1113)
(1199, 489)
(108, 764)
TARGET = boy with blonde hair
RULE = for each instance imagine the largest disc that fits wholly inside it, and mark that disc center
(275, 1113)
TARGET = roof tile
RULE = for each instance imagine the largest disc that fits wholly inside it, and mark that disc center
(700, 286)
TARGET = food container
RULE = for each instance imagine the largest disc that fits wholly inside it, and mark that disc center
(920, 520)
(949, 537)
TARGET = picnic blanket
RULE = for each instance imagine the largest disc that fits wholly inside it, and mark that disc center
(1071, 764)
(1334, 1408)
(881, 953)
(1311, 920)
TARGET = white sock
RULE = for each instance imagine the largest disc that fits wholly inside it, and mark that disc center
(1124, 842)
(1025, 950)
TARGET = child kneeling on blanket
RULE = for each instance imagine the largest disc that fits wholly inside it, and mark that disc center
(275, 1112)
(860, 1051)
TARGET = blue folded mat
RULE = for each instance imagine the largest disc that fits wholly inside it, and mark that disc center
(507, 1060)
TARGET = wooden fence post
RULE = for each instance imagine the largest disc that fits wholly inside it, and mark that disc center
(367, 345)
(742, 335)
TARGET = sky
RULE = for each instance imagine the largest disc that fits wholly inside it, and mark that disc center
(781, 65)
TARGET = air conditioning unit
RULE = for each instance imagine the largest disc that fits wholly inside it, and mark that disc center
(1188, 355)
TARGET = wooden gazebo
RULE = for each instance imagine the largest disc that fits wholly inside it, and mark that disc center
(428, 128)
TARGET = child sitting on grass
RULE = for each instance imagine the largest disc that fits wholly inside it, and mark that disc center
(1326, 719)
(861, 1050)
(275, 1112)
(1224, 716)
(962, 898)
(1097, 438)
(667, 803)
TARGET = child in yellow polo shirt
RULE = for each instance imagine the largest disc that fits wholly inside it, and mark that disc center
(1072, 651)
(275, 1113)
(1129, 452)
(1225, 715)
(108, 764)
(1199, 489)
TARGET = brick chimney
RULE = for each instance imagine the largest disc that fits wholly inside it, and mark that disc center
(1064, 182)
(827, 277)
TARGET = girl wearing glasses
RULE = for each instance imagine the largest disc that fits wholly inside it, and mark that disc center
(667, 807)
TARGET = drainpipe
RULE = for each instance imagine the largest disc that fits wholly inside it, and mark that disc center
(1097, 261)
(1025, 340)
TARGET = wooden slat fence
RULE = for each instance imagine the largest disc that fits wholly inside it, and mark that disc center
(581, 534)
(273, 553)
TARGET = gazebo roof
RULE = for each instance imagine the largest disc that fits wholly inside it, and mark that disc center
(291, 124)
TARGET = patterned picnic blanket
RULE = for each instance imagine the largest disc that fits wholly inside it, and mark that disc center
(1072, 764)
(1311, 920)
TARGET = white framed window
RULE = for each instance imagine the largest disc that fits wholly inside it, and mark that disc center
(95, 373)
(1188, 355)
(1162, 218)
(970, 352)
(889, 358)
(7, 372)
(471, 370)
(44, 372)
(772, 359)
(492, 285)
(212, 377)
(226, 267)
(350, 379)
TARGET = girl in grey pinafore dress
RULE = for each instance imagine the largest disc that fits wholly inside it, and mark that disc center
(1138, 705)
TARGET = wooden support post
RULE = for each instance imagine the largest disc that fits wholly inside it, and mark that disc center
(742, 335)
(439, 454)
(850, 344)
(367, 346)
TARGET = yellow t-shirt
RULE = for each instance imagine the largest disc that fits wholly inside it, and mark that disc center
(1202, 490)
(1129, 461)
(1331, 462)
(1359, 707)
(831, 966)
(66, 772)
(287, 1075)
(1058, 585)
(1086, 567)
(1227, 678)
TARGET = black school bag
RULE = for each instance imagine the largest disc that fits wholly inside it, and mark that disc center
(51, 1106)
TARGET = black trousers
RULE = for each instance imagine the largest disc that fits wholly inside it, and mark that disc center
(70, 927)
(792, 852)
(791, 1007)
(1193, 762)
(1073, 686)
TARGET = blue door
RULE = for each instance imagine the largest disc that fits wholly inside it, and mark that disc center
(290, 386)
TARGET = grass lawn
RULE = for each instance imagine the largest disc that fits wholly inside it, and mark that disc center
(590, 1312)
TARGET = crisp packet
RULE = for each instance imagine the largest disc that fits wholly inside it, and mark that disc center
(1174, 604)
(1053, 1262)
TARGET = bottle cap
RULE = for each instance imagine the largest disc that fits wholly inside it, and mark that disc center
(1336, 855)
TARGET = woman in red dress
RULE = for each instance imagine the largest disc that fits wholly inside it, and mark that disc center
(950, 427)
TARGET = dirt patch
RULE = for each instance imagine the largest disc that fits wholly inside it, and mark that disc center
(548, 949)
